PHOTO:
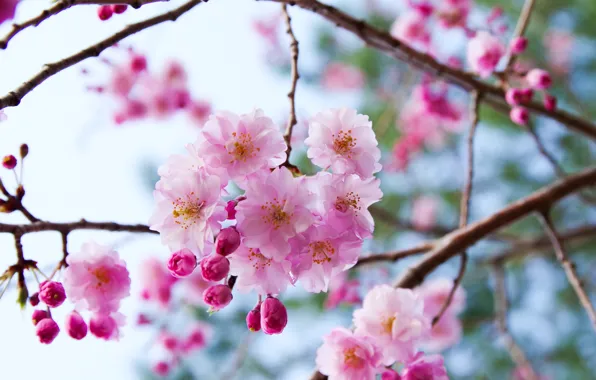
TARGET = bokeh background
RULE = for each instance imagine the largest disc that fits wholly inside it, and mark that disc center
(83, 165)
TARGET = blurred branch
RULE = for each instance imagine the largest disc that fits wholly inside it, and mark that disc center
(383, 41)
(458, 240)
(466, 199)
(394, 256)
(292, 121)
(501, 307)
(60, 6)
(568, 266)
(14, 97)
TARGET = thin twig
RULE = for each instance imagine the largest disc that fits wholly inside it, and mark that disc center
(520, 29)
(394, 256)
(493, 95)
(292, 120)
(14, 97)
(69, 227)
(466, 199)
(501, 307)
(568, 266)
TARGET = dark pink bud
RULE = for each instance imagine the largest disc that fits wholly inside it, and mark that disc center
(169, 341)
(104, 12)
(182, 263)
(253, 319)
(196, 340)
(47, 330)
(75, 325)
(9, 162)
(34, 299)
(274, 316)
(39, 315)
(52, 293)
(161, 369)
(519, 115)
(514, 96)
(215, 267)
(119, 8)
(228, 241)
(218, 296)
(142, 319)
(550, 102)
(103, 326)
(538, 79)
(527, 95)
(390, 374)
(518, 45)
(181, 99)
(138, 63)
(231, 209)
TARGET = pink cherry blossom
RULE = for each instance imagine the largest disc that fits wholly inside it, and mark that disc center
(182, 263)
(258, 272)
(275, 210)
(453, 13)
(241, 144)
(342, 291)
(518, 45)
(52, 293)
(227, 241)
(217, 296)
(338, 76)
(345, 356)
(484, 53)
(38, 315)
(519, 115)
(343, 140)
(156, 281)
(96, 278)
(47, 330)
(197, 338)
(395, 321)
(75, 325)
(345, 201)
(424, 212)
(411, 28)
(321, 252)
(444, 334)
(106, 326)
(538, 79)
(435, 292)
(274, 316)
(559, 44)
(188, 212)
(429, 367)
(215, 267)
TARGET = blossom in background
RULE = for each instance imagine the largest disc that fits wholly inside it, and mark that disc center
(411, 28)
(338, 76)
(484, 53)
(342, 291)
(424, 212)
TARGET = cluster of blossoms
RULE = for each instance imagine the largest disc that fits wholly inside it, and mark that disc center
(285, 228)
(96, 280)
(390, 328)
(140, 93)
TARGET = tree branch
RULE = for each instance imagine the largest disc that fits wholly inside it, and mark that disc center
(383, 41)
(568, 266)
(14, 97)
(520, 29)
(66, 228)
(394, 256)
(458, 240)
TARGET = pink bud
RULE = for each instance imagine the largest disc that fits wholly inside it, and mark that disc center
(550, 102)
(52, 293)
(526, 94)
(390, 374)
(103, 326)
(231, 209)
(34, 299)
(197, 338)
(104, 12)
(38, 315)
(514, 96)
(169, 341)
(138, 63)
(538, 79)
(142, 319)
(47, 330)
(215, 267)
(518, 45)
(182, 263)
(519, 115)
(119, 8)
(218, 296)
(181, 98)
(9, 162)
(274, 316)
(161, 369)
(75, 325)
(228, 241)
(253, 319)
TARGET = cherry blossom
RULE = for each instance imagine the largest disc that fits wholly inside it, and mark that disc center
(338, 76)
(484, 53)
(425, 367)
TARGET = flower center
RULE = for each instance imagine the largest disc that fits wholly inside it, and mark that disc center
(242, 148)
(187, 211)
(275, 214)
(258, 260)
(388, 325)
(343, 143)
(102, 275)
(321, 250)
(350, 200)
(351, 359)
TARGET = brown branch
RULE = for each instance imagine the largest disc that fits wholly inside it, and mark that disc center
(466, 199)
(394, 256)
(292, 120)
(501, 307)
(14, 97)
(568, 266)
(520, 29)
(492, 95)
(458, 240)
(59, 7)
(66, 228)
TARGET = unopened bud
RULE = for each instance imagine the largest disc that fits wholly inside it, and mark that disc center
(253, 319)
(24, 150)
(274, 316)
(227, 241)
(218, 296)
(9, 162)
(47, 330)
